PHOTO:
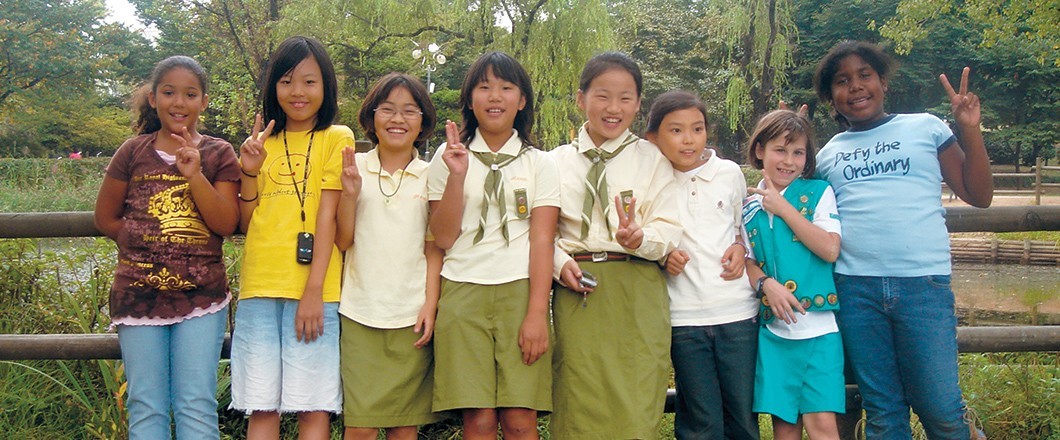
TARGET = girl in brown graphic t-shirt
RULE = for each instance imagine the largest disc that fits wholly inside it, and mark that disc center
(168, 198)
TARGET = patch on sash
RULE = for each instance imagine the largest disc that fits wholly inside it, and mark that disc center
(522, 207)
(833, 299)
(627, 196)
(818, 301)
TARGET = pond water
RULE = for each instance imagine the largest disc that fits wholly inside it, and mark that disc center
(997, 294)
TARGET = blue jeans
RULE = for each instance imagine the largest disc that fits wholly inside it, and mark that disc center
(900, 335)
(173, 368)
(714, 367)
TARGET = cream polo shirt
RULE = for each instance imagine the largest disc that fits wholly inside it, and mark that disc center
(385, 275)
(710, 202)
(640, 168)
(491, 260)
(269, 266)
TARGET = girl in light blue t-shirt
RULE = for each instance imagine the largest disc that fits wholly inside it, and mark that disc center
(893, 274)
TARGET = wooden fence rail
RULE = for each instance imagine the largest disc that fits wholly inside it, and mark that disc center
(958, 219)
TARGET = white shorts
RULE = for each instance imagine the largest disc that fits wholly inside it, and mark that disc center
(273, 371)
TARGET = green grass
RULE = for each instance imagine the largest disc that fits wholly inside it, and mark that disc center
(46, 185)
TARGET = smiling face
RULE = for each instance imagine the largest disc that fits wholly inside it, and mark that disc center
(300, 93)
(610, 103)
(682, 137)
(782, 160)
(398, 121)
(858, 92)
(495, 103)
(178, 99)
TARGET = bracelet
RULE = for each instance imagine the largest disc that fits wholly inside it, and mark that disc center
(245, 173)
(240, 196)
(759, 284)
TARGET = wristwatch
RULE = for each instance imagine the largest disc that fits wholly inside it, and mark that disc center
(759, 293)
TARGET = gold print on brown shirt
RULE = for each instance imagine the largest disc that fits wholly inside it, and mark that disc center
(163, 281)
(177, 213)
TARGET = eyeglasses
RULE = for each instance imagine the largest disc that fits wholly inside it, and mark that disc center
(389, 112)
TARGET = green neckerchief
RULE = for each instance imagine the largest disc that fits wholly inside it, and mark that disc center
(596, 183)
(494, 188)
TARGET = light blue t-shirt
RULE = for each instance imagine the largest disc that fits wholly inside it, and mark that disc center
(888, 185)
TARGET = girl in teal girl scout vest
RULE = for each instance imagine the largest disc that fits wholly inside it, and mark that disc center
(793, 226)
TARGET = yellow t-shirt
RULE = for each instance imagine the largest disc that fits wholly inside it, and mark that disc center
(269, 266)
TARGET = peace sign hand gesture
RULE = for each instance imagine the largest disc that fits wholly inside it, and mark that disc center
(965, 104)
(351, 175)
(188, 160)
(629, 233)
(252, 152)
(455, 154)
(772, 201)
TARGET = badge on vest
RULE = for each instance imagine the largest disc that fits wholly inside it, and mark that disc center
(627, 197)
(522, 206)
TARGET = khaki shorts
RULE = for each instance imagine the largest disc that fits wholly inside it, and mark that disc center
(478, 360)
(386, 381)
(612, 361)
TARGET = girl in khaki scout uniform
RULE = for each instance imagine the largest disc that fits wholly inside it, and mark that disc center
(618, 217)
(391, 283)
(494, 204)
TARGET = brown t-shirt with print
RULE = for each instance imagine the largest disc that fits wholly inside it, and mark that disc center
(169, 262)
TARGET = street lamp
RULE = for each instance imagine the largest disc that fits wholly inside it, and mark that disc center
(430, 58)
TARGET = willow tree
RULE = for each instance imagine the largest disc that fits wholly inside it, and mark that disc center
(1030, 21)
(759, 36)
(231, 38)
(551, 38)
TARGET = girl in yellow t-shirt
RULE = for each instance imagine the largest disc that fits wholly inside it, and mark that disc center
(286, 338)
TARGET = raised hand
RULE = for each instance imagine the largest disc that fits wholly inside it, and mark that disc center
(455, 154)
(965, 104)
(772, 200)
(629, 234)
(252, 152)
(676, 261)
(351, 175)
(188, 159)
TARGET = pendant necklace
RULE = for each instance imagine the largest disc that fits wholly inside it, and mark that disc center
(379, 180)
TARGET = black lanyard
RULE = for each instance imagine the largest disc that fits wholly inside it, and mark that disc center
(305, 173)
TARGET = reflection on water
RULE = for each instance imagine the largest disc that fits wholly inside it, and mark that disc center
(992, 294)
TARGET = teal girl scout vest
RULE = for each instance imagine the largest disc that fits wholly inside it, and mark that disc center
(805, 274)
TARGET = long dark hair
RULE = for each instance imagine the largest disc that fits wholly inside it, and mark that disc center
(289, 54)
(145, 117)
(507, 68)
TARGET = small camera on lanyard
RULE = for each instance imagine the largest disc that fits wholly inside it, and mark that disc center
(304, 254)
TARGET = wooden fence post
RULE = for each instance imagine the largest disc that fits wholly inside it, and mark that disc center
(1038, 181)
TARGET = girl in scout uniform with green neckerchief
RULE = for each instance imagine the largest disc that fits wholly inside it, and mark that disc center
(794, 231)
(618, 217)
(494, 205)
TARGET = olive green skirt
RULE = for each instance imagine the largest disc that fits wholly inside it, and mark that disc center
(612, 354)
(386, 381)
